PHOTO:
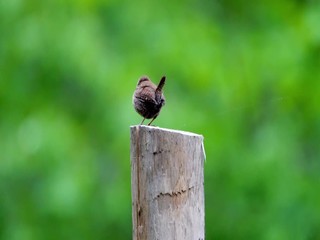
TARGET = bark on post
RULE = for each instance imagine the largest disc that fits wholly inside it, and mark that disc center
(167, 184)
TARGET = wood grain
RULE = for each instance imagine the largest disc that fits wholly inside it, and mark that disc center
(167, 184)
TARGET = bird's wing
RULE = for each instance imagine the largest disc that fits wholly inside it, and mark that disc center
(147, 95)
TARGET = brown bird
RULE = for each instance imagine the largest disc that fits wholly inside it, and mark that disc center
(148, 98)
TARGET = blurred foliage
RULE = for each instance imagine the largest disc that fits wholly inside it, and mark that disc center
(244, 74)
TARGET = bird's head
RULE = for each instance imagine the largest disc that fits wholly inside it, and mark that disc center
(143, 79)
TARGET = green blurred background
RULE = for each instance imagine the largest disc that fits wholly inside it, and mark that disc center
(243, 74)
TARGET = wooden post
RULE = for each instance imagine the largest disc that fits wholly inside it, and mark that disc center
(167, 184)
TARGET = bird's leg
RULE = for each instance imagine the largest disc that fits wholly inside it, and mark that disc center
(152, 120)
(142, 121)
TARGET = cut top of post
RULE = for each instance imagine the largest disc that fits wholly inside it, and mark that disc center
(158, 129)
(166, 130)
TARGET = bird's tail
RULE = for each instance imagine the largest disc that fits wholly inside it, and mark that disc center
(161, 84)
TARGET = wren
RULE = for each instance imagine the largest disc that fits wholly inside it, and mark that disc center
(148, 98)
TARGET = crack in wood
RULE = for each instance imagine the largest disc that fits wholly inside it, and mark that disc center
(160, 151)
(173, 194)
(157, 152)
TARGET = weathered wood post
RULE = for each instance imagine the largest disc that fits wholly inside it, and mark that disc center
(167, 184)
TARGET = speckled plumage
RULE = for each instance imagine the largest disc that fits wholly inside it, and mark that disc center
(148, 98)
